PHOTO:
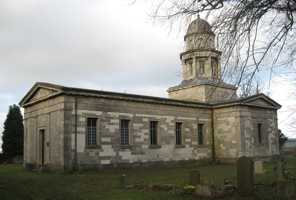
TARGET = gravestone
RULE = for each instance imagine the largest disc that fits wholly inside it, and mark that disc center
(205, 191)
(122, 181)
(29, 166)
(245, 175)
(194, 177)
(258, 165)
(279, 170)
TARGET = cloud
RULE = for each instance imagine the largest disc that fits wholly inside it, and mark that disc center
(282, 90)
(99, 44)
(106, 44)
(68, 40)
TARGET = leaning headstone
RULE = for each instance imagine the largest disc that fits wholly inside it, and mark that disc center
(245, 175)
(258, 166)
(122, 181)
(194, 177)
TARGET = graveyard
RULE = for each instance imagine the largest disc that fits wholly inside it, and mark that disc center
(158, 182)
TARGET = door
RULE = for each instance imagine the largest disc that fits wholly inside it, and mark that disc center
(42, 146)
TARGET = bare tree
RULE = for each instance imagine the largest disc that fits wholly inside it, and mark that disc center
(257, 37)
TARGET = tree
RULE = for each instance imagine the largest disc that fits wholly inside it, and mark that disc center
(282, 139)
(256, 36)
(13, 134)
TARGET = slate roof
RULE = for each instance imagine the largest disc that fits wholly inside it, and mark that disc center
(72, 91)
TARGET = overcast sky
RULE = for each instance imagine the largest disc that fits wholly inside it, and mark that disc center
(99, 44)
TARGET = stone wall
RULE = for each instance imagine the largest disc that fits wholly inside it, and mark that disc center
(236, 132)
(48, 116)
(227, 132)
(110, 152)
(250, 146)
(235, 129)
(218, 94)
(207, 56)
(195, 93)
(203, 93)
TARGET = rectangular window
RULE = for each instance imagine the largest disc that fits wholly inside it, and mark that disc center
(200, 134)
(215, 68)
(201, 66)
(153, 132)
(189, 64)
(178, 133)
(91, 131)
(259, 132)
(124, 132)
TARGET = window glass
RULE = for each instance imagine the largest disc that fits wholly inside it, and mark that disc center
(200, 134)
(124, 132)
(91, 131)
(259, 132)
(153, 132)
(178, 133)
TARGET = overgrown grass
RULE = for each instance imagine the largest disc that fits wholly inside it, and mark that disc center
(16, 183)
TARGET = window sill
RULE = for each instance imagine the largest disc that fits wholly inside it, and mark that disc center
(128, 146)
(154, 146)
(179, 146)
(261, 145)
(201, 146)
(93, 147)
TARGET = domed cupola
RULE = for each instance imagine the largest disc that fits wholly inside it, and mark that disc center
(199, 26)
(201, 68)
(199, 35)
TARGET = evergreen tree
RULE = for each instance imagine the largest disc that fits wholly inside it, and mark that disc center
(13, 134)
(282, 139)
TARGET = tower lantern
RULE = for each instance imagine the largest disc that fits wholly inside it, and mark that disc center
(201, 68)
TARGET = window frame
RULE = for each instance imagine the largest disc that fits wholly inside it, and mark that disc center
(215, 67)
(201, 67)
(189, 64)
(156, 133)
(259, 133)
(128, 129)
(200, 137)
(153, 132)
(179, 133)
(95, 132)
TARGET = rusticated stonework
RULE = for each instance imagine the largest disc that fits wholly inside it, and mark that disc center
(57, 126)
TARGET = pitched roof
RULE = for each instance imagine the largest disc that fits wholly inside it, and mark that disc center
(57, 90)
(248, 101)
(104, 94)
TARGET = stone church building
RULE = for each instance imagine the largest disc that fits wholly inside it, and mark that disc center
(202, 119)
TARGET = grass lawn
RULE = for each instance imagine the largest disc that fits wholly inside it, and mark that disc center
(16, 183)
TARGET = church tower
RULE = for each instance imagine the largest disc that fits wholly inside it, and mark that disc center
(201, 68)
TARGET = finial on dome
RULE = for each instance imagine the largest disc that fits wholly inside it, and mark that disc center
(197, 9)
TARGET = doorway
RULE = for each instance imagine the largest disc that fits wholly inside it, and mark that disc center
(42, 146)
